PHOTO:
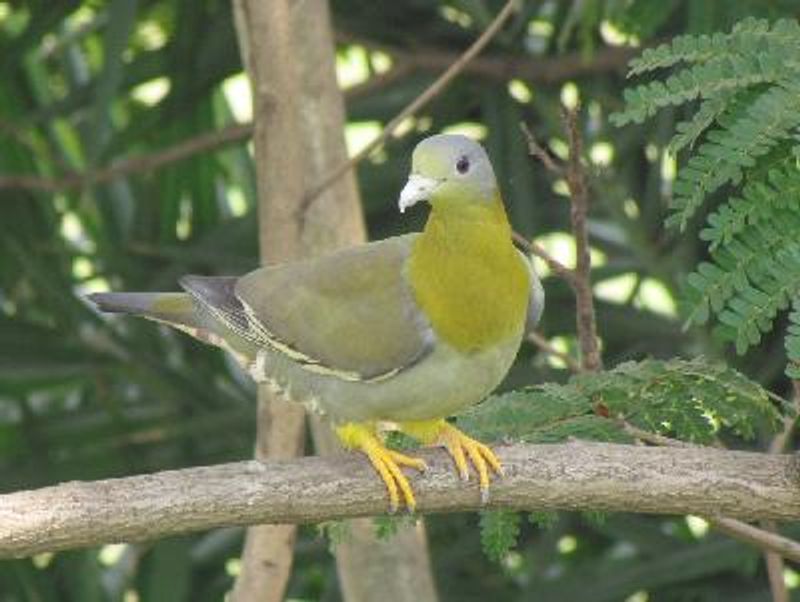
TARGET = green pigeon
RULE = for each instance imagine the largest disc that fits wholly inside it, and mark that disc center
(406, 331)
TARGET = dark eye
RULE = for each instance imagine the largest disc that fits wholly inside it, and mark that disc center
(462, 166)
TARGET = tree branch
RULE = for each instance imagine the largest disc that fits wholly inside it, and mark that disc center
(570, 476)
(453, 69)
(579, 203)
(502, 68)
(264, 34)
(558, 268)
(543, 344)
(136, 164)
(538, 70)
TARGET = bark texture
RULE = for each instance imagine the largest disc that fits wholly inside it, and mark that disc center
(397, 570)
(299, 136)
(570, 476)
(265, 40)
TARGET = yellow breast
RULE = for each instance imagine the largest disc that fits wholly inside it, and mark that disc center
(468, 278)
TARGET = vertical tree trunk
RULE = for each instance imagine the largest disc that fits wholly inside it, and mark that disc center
(299, 138)
(397, 570)
(264, 31)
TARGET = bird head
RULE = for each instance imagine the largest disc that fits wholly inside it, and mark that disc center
(449, 170)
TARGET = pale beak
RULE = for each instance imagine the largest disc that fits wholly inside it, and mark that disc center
(418, 188)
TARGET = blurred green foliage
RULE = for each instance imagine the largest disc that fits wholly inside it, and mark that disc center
(89, 84)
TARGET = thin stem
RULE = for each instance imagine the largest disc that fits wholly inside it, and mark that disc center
(775, 546)
(543, 344)
(579, 197)
(537, 150)
(532, 247)
(137, 164)
(773, 560)
(420, 101)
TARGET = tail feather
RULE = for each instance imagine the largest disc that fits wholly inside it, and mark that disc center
(180, 311)
(173, 308)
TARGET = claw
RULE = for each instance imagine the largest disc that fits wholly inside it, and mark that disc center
(386, 462)
(480, 456)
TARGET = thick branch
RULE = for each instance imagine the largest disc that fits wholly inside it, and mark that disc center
(264, 31)
(571, 476)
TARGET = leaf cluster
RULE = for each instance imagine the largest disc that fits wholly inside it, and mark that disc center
(692, 400)
(747, 84)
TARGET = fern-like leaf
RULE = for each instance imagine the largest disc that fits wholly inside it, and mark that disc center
(776, 199)
(682, 49)
(748, 34)
(499, 532)
(738, 264)
(691, 400)
(753, 309)
(793, 342)
(689, 131)
(731, 150)
(748, 81)
(720, 75)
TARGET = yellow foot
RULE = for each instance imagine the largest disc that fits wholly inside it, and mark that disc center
(386, 462)
(460, 447)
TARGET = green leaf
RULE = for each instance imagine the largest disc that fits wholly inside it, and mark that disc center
(499, 532)
(691, 400)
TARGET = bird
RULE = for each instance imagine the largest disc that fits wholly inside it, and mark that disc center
(405, 331)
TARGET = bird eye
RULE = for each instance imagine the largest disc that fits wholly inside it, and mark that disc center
(462, 166)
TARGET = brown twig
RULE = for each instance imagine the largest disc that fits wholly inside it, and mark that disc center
(538, 70)
(775, 546)
(773, 560)
(653, 438)
(775, 566)
(537, 150)
(766, 540)
(186, 148)
(532, 247)
(543, 344)
(580, 278)
(579, 197)
(420, 101)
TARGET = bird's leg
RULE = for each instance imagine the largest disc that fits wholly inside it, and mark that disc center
(460, 447)
(386, 462)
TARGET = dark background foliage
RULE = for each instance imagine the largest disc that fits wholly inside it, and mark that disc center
(87, 85)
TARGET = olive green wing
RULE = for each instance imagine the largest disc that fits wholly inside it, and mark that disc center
(351, 313)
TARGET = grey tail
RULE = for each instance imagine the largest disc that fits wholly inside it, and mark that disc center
(173, 308)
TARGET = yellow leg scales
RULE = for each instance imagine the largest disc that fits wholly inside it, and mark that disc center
(386, 462)
(460, 447)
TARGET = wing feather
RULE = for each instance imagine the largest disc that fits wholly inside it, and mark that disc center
(350, 314)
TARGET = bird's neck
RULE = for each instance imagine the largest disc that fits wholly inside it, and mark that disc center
(468, 278)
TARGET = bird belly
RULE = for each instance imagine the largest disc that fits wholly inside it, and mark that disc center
(439, 385)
